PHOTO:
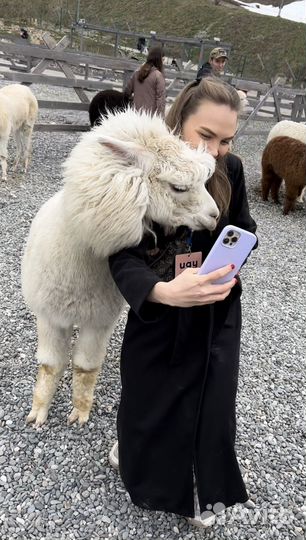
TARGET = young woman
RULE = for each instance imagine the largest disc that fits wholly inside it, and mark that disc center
(147, 84)
(180, 353)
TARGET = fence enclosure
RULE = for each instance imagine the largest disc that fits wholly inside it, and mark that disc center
(27, 64)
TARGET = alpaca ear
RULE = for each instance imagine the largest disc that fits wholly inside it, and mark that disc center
(127, 149)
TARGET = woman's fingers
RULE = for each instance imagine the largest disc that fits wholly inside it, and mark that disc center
(207, 299)
(190, 289)
(219, 288)
(215, 294)
(217, 274)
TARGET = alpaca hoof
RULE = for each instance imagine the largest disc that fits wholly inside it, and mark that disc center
(39, 416)
(78, 415)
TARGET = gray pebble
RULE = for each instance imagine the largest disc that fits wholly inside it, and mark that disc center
(63, 473)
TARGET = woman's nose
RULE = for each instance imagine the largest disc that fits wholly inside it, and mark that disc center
(213, 149)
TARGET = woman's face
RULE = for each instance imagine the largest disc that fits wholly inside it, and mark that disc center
(212, 125)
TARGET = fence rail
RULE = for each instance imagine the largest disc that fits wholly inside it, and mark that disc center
(265, 102)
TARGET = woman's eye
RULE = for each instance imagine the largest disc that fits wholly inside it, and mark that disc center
(225, 143)
(179, 189)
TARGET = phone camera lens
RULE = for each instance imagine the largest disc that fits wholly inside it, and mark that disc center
(230, 233)
(225, 240)
(234, 239)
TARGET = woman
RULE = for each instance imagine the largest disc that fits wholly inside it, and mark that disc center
(147, 84)
(180, 353)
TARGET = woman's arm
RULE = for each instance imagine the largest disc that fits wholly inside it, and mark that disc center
(135, 280)
(239, 212)
(149, 297)
(160, 94)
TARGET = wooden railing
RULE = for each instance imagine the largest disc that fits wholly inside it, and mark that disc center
(95, 72)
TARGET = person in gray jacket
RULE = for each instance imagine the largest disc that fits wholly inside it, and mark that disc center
(147, 85)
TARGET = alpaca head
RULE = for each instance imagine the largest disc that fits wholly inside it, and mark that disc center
(243, 100)
(131, 171)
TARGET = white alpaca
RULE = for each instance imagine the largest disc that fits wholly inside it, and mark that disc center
(243, 100)
(295, 130)
(288, 128)
(119, 178)
(18, 112)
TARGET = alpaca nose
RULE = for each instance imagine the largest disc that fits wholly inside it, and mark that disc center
(214, 214)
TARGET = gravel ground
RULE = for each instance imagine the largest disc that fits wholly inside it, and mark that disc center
(55, 482)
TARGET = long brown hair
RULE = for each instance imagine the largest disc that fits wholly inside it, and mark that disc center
(187, 102)
(154, 59)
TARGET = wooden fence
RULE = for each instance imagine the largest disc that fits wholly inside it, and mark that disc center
(151, 39)
(27, 63)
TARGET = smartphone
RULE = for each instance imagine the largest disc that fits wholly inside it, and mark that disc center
(232, 246)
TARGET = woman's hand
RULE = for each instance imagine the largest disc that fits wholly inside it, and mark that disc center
(191, 289)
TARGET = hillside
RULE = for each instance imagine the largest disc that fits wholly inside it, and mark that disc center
(276, 40)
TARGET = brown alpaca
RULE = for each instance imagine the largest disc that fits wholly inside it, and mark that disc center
(284, 158)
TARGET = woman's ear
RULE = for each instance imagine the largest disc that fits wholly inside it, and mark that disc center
(127, 150)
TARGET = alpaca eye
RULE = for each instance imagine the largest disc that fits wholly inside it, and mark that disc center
(179, 189)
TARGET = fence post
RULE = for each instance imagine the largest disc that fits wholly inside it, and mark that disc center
(277, 105)
(81, 41)
(117, 38)
(201, 56)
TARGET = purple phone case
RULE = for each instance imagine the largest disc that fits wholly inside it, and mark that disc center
(221, 255)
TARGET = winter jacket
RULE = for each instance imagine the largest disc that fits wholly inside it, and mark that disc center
(205, 70)
(149, 94)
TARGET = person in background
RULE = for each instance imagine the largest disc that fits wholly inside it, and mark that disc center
(24, 33)
(180, 353)
(174, 64)
(141, 44)
(147, 85)
(215, 65)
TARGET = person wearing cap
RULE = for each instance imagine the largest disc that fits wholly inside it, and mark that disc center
(215, 64)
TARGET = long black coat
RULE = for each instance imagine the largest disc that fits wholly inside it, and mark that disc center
(179, 371)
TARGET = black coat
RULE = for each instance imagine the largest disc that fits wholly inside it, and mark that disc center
(179, 372)
(205, 70)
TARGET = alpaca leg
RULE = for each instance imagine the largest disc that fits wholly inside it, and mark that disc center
(23, 142)
(28, 145)
(3, 153)
(87, 361)
(266, 181)
(300, 198)
(276, 184)
(52, 354)
(19, 148)
(291, 196)
(4, 167)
